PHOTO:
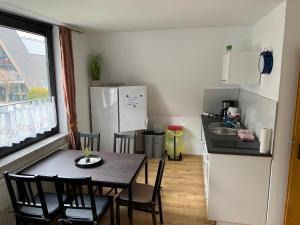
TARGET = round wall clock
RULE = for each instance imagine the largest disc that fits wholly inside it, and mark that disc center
(265, 62)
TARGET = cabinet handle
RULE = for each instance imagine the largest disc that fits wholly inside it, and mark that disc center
(298, 151)
(223, 80)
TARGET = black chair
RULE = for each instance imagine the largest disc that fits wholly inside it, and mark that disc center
(124, 140)
(89, 140)
(29, 206)
(122, 145)
(144, 197)
(81, 208)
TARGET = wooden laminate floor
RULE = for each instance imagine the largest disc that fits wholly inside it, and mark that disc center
(183, 198)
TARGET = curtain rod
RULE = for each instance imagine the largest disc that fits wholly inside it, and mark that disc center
(18, 11)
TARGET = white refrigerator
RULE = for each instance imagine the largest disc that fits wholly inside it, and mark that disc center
(120, 109)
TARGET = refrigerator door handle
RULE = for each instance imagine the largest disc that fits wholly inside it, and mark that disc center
(146, 123)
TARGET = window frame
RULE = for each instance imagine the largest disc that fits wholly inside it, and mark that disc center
(45, 29)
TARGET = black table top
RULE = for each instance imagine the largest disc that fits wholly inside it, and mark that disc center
(117, 170)
(228, 144)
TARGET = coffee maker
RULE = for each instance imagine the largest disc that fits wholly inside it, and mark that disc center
(225, 105)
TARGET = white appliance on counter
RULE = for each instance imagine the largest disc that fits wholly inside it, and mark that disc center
(117, 110)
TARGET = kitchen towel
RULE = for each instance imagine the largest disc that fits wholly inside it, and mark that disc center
(265, 139)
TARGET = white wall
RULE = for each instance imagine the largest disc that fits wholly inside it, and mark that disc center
(80, 52)
(269, 33)
(175, 65)
(279, 31)
(285, 114)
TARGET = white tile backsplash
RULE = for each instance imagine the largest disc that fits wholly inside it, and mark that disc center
(213, 97)
(257, 112)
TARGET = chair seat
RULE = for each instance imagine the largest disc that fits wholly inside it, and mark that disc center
(101, 203)
(141, 193)
(52, 205)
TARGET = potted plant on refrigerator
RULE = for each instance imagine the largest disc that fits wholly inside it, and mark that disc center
(95, 65)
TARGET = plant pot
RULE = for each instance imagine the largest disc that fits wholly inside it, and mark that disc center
(95, 83)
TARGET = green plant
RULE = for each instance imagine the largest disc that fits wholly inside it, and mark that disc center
(87, 153)
(35, 93)
(95, 65)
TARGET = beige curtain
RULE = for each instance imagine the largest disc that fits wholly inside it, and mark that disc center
(65, 37)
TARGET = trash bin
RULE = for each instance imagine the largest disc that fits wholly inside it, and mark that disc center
(158, 144)
(174, 142)
(148, 143)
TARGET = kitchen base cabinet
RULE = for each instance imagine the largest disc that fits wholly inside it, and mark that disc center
(238, 189)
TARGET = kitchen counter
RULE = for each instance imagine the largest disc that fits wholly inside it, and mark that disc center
(232, 144)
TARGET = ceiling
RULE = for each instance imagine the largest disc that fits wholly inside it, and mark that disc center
(132, 15)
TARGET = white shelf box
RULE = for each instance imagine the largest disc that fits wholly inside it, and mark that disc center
(241, 68)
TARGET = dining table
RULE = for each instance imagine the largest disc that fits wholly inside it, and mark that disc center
(117, 170)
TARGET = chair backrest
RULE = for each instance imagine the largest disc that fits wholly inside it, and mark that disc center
(122, 142)
(75, 189)
(89, 140)
(22, 191)
(159, 176)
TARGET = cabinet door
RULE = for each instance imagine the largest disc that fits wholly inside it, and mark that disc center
(226, 68)
(104, 110)
(240, 68)
(205, 167)
(238, 188)
(244, 68)
(132, 108)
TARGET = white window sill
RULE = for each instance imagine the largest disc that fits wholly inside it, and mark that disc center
(23, 158)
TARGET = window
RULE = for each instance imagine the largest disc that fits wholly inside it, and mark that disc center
(27, 83)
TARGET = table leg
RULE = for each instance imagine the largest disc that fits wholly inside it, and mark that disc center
(174, 147)
(146, 172)
(130, 208)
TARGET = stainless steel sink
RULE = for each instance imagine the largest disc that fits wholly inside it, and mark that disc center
(220, 129)
(223, 131)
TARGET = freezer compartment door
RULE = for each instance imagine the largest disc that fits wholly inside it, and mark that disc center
(104, 110)
(132, 108)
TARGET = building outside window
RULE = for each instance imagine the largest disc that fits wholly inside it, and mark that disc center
(27, 83)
